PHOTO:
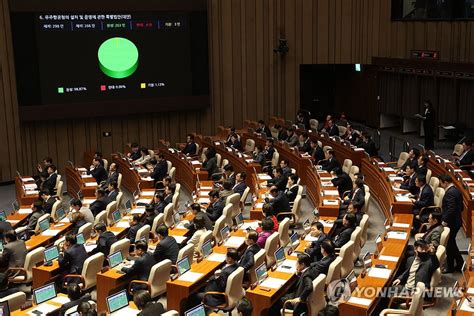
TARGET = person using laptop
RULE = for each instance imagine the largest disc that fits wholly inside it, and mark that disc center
(48, 201)
(216, 206)
(14, 251)
(199, 230)
(140, 270)
(314, 248)
(149, 215)
(158, 203)
(167, 247)
(328, 256)
(147, 307)
(37, 208)
(244, 307)
(135, 226)
(72, 257)
(196, 210)
(100, 204)
(4, 290)
(247, 261)
(77, 220)
(76, 206)
(105, 240)
(267, 231)
(75, 297)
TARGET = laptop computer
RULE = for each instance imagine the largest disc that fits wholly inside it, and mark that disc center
(4, 309)
(225, 233)
(239, 220)
(80, 239)
(3, 216)
(196, 311)
(352, 280)
(367, 261)
(176, 218)
(115, 259)
(60, 214)
(44, 225)
(280, 256)
(262, 273)
(15, 205)
(183, 266)
(117, 301)
(51, 253)
(128, 206)
(293, 238)
(116, 216)
(44, 293)
(206, 249)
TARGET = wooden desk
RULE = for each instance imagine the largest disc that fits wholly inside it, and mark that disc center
(131, 180)
(44, 240)
(32, 308)
(22, 195)
(43, 274)
(17, 219)
(108, 283)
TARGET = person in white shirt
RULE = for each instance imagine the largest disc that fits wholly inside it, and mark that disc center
(76, 206)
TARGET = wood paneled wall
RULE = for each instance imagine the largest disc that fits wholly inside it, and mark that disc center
(248, 80)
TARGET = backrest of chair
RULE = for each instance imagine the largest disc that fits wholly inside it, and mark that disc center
(316, 299)
(59, 190)
(416, 307)
(284, 231)
(258, 259)
(122, 245)
(441, 254)
(225, 162)
(58, 179)
(366, 188)
(42, 218)
(143, 232)
(227, 213)
(15, 300)
(346, 167)
(119, 181)
(296, 209)
(169, 164)
(220, 223)
(364, 225)
(346, 254)
(300, 190)
(402, 158)
(58, 242)
(438, 197)
(106, 163)
(159, 274)
(444, 236)
(71, 310)
(111, 207)
(458, 150)
(86, 230)
(234, 200)
(313, 123)
(274, 132)
(355, 237)
(207, 235)
(178, 188)
(234, 289)
(32, 258)
(334, 271)
(435, 278)
(203, 154)
(219, 159)
(197, 149)
(434, 183)
(428, 175)
(91, 267)
(101, 217)
(249, 145)
(275, 159)
(159, 220)
(172, 173)
(175, 200)
(168, 215)
(118, 199)
(365, 208)
(186, 251)
(352, 173)
(244, 196)
(271, 245)
(342, 130)
(55, 207)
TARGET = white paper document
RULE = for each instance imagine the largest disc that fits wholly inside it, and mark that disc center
(287, 266)
(203, 200)
(30, 186)
(264, 177)
(218, 257)
(379, 273)
(327, 223)
(325, 178)
(34, 192)
(252, 225)
(330, 202)
(195, 162)
(88, 201)
(50, 232)
(395, 178)
(310, 238)
(82, 169)
(146, 201)
(179, 239)
(206, 188)
(326, 184)
(84, 176)
(142, 170)
(388, 169)
(397, 235)
(465, 307)
(331, 192)
(123, 224)
(89, 248)
(359, 301)
(401, 225)
(61, 299)
(273, 283)
(190, 276)
(12, 221)
(389, 258)
(402, 198)
(44, 308)
(138, 210)
(90, 184)
(234, 242)
(258, 205)
(147, 178)
(147, 193)
(27, 179)
(25, 211)
(470, 290)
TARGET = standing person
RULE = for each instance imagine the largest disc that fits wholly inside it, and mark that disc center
(428, 125)
(452, 207)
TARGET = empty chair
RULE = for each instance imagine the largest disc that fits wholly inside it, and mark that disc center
(275, 159)
(428, 175)
(42, 218)
(458, 150)
(402, 158)
(15, 300)
(186, 251)
(249, 145)
(122, 245)
(172, 173)
(159, 220)
(156, 283)
(364, 225)
(365, 208)
(233, 291)
(271, 245)
(334, 271)
(56, 206)
(258, 259)
(111, 207)
(355, 237)
(353, 171)
(227, 213)
(25, 274)
(101, 218)
(168, 215)
(313, 123)
(169, 164)
(86, 230)
(219, 224)
(342, 130)
(283, 232)
(346, 167)
(441, 254)
(434, 183)
(243, 198)
(91, 267)
(444, 236)
(416, 306)
(143, 232)
(346, 254)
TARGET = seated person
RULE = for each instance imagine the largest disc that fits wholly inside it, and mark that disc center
(278, 201)
(140, 270)
(167, 247)
(422, 167)
(169, 192)
(49, 184)
(145, 304)
(37, 208)
(149, 216)
(144, 158)
(247, 260)
(304, 145)
(86, 309)
(77, 220)
(258, 155)
(325, 126)
(158, 203)
(135, 153)
(292, 191)
(412, 160)
(76, 206)
(267, 231)
(342, 182)
(113, 191)
(234, 142)
(282, 135)
(113, 175)
(300, 291)
(135, 226)
(229, 174)
(160, 170)
(467, 157)
(351, 209)
(314, 248)
(328, 256)
(226, 190)
(341, 236)
(216, 206)
(240, 184)
(198, 230)
(97, 171)
(423, 199)
(432, 236)
(332, 128)
(267, 210)
(71, 257)
(418, 268)
(43, 171)
(105, 240)
(330, 163)
(285, 168)
(75, 297)
(14, 251)
(409, 183)
(291, 137)
(316, 152)
(302, 120)
(244, 307)
(356, 196)
(100, 204)
(191, 147)
(367, 144)
(196, 210)
(263, 129)
(4, 290)
(351, 135)
(269, 150)
(48, 201)
(279, 180)
(210, 162)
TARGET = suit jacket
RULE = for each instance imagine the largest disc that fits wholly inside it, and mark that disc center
(314, 250)
(77, 225)
(207, 222)
(260, 158)
(333, 131)
(343, 237)
(269, 153)
(142, 267)
(433, 235)
(426, 199)
(167, 248)
(160, 171)
(148, 219)
(317, 153)
(68, 305)
(424, 272)
(265, 131)
(132, 232)
(240, 188)
(99, 173)
(159, 207)
(14, 254)
(99, 205)
(292, 140)
(215, 210)
(467, 159)
(113, 195)
(369, 147)
(280, 182)
(357, 198)
(236, 145)
(152, 309)
(219, 284)
(88, 216)
(280, 203)
(48, 204)
(50, 183)
(247, 260)
(330, 164)
(409, 184)
(135, 156)
(452, 207)
(189, 149)
(305, 147)
(211, 166)
(304, 285)
(112, 177)
(106, 239)
(73, 259)
(343, 183)
(34, 220)
(412, 162)
(168, 199)
(321, 266)
(291, 193)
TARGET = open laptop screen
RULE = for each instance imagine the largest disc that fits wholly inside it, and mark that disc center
(196, 311)
(115, 259)
(44, 293)
(44, 225)
(51, 253)
(117, 301)
(206, 248)
(80, 239)
(183, 265)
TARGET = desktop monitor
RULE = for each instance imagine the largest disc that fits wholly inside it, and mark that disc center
(196, 311)
(280, 255)
(117, 301)
(51, 253)
(60, 214)
(116, 216)
(115, 259)
(261, 272)
(207, 249)
(4, 309)
(80, 239)
(183, 266)
(3, 216)
(44, 225)
(225, 232)
(239, 220)
(44, 293)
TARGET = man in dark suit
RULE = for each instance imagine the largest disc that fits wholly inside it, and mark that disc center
(106, 239)
(49, 184)
(452, 207)
(423, 199)
(100, 203)
(149, 216)
(300, 291)
(161, 169)
(240, 184)
(341, 236)
(285, 167)
(279, 180)
(229, 174)
(433, 235)
(113, 191)
(292, 191)
(14, 251)
(216, 206)
(322, 266)
(467, 157)
(333, 130)
(159, 203)
(72, 257)
(135, 153)
(419, 268)
(279, 201)
(196, 209)
(412, 160)
(43, 170)
(247, 260)
(316, 152)
(48, 201)
(135, 226)
(97, 171)
(342, 182)
(167, 247)
(141, 268)
(75, 297)
(314, 248)
(169, 192)
(356, 196)
(409, 181)
(291, 137)
(147, 307)
(305, 145)
(190, 148)
(269, 150)
(263, 129)
(113, 174)
(366, 142)
(330, 163)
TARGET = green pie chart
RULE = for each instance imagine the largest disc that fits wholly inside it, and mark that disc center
(118, 57)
